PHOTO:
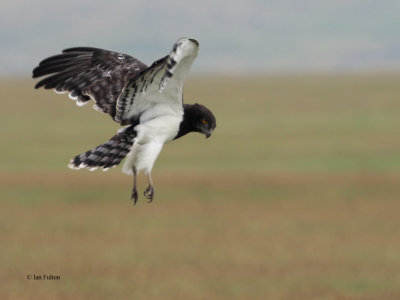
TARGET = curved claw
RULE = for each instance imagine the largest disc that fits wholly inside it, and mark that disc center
(134, 196)
(149, 193)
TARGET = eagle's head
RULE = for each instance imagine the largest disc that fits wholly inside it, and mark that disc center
(197, 118)
(204, 120)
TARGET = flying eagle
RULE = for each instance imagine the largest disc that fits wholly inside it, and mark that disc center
(148, 101)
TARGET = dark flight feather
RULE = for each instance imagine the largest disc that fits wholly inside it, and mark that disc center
(89, 73)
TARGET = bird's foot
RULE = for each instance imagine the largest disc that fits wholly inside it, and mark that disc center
(149, 193)
(134, 196)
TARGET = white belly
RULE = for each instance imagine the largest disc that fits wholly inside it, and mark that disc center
(151, 136)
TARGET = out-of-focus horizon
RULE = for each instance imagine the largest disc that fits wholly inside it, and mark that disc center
(239, 37)
(295, 195)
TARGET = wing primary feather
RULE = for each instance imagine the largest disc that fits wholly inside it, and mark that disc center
(62, 56)
(53, 81)
(54, 68)
(83, 49)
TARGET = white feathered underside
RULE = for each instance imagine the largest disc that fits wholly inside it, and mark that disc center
(151, 136)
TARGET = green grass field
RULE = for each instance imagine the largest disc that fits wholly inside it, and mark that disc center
(295, 196)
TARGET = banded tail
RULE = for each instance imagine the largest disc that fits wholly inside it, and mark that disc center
(108, 154)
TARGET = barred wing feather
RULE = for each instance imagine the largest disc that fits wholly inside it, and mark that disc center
(160, 84)
(89, 73)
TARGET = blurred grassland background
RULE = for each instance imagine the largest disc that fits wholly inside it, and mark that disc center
(295, 196)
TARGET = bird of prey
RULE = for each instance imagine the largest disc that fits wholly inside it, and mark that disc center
(147, 101)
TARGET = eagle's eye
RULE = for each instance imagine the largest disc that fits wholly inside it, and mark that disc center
(204, 121)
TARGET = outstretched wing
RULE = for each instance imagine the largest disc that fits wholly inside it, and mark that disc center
(89, 73)
(160, 84)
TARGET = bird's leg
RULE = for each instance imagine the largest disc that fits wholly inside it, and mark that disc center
(149, 192)
(134, 195)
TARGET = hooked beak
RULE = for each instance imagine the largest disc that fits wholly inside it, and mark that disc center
(208, 134)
